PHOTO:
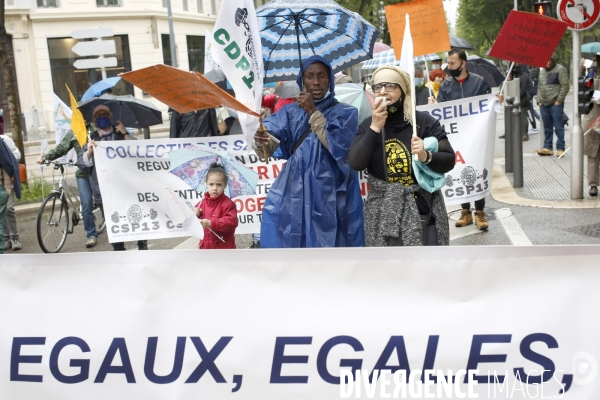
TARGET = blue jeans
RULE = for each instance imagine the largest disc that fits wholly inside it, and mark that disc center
(553, 118)
(85, 196)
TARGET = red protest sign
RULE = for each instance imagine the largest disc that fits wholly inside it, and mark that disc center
(528, 38)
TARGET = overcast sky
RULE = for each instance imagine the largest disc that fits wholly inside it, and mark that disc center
(451, 7)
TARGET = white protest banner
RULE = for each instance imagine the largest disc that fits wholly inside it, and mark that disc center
(136, 183)
(62, 126)
(286, 324)
(236, 47)
(471, 127)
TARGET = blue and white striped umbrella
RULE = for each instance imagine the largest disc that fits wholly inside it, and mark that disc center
(293, 30)
(389, 58)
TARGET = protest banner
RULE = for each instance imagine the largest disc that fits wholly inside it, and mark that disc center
(286, 324)
(62, 126)
(136, 183)
(238, 51)
(427, 24)
(528, 38)
(181, 90)
(471, 127)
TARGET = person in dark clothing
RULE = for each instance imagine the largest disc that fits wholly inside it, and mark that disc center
(525, 81)
(199, 123)
(463, 84)
(421, 91)
(105, 131)
(398, 212)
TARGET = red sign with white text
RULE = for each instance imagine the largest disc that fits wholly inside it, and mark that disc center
(528, 38)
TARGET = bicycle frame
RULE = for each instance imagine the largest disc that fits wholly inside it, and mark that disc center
(65, 192)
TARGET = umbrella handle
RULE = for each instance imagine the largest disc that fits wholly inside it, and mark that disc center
(265, 151)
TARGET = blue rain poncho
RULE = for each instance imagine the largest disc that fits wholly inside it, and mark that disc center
(315, 201)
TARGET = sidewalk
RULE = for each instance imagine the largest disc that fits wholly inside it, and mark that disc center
(546, 179)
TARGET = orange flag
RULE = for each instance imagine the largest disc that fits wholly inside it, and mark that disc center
(77, 121)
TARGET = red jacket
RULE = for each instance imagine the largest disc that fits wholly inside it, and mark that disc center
(222, 214)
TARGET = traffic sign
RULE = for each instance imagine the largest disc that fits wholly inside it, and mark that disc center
(95, 63)
(95, 48)
(579, 15)
(92, 33)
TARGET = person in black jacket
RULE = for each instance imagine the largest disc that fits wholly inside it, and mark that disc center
(421, 91)
(199, 123)
(398, 211)
(463, 84)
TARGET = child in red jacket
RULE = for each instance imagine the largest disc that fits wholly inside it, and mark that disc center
(217, 213)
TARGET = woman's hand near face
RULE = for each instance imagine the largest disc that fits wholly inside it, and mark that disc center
(379, 114)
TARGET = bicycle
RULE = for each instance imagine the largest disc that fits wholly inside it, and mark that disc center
(53, 217)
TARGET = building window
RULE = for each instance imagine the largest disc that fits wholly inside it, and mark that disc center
(79, 80)
(108, 3)
(195, 48)
(40, 3)
(213, 7)
(166, 48)
(200, 6)
(185, 5)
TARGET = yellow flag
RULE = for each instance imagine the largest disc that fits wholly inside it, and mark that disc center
(77, 122)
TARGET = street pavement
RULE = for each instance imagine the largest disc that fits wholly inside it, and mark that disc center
(541, 213)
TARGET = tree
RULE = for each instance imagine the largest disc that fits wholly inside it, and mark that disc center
(7, 64)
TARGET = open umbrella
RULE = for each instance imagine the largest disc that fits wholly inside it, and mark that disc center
(460, 43)
(191, 164)
(132, 112)
(97, 88)
(287, 90)
(293, 30)
(590, 47)
(356, 96)
(379, 47)
(486, 68)
(382, 59)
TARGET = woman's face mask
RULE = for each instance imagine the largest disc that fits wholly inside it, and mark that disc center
(418, 81)
(103, 122)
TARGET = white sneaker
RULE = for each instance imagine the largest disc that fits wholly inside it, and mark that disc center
(533, 130)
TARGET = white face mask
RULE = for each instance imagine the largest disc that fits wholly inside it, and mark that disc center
(435, 66)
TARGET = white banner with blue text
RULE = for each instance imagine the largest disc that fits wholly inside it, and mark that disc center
(471, 126)
(287, 324)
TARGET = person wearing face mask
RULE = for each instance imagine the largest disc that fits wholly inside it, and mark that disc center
(421, 91)
(553, 88)
(591, 141)
(436, 77)
(315, 201)
(463, 84)
(398, 212)
(105, 131)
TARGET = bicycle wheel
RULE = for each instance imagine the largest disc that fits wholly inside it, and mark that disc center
(52, 224)
(99, 220)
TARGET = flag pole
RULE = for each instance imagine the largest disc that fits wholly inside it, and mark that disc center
(265, 150)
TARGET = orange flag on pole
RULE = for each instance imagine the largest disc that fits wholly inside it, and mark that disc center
(77, 121)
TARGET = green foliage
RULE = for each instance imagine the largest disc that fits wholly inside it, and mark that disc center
(33, 191)
(479, 22)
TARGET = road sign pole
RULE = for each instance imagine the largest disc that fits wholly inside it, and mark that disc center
(576, 132)
(171, 36)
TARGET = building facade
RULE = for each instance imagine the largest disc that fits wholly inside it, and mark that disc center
(42, 43)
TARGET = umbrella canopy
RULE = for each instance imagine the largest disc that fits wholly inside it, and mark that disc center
(388, 57)
(460, 43)
(217, 77)
(379, 47)
(356, 96)
(486, 69)
(191, 164)
(132, 112)
(288, 90)
(97, 88)
(590, 47)
(293, 30)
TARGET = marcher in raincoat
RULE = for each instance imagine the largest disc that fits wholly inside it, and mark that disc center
(315, 201)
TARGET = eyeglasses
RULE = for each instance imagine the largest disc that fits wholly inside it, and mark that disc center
(389, 87)
(101, 115)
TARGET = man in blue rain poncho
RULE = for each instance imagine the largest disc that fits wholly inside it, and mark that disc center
(315, 201)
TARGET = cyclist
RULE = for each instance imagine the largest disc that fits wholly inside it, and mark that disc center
(83, 184)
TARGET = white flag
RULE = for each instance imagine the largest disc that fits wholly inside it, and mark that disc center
(236, 47)
(62, 126)
(407, 63)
